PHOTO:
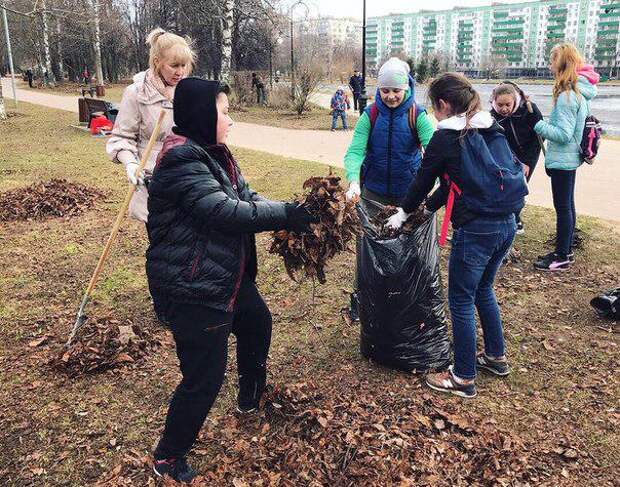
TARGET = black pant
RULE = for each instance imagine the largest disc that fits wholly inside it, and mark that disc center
(532, 166)
(356, 97)
(201, 337)
(260, 95)
(563, 189)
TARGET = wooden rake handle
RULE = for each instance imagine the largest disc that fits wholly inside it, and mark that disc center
(121, 213)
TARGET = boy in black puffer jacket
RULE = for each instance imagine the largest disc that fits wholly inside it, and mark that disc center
(517, 116)
(201, 265)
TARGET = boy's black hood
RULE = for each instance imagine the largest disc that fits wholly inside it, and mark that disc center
(195, 111)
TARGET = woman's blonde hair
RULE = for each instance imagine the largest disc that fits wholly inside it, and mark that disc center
(568, 62)
(170, 47)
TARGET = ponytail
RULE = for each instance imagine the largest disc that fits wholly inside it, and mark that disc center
(171, 47)
(455, 89)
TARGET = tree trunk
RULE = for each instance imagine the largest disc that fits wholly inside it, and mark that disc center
(61, 67)
(46, 45)
(227, 24)
(2, 107)
(97, 43)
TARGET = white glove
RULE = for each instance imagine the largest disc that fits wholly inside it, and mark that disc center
(354, 191)
(396, 221)
(132, 177)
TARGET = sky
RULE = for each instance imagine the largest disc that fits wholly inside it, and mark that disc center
(353, 8)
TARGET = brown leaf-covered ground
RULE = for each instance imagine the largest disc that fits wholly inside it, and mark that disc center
(332, 418)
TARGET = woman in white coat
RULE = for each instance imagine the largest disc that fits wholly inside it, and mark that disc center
(171, 59)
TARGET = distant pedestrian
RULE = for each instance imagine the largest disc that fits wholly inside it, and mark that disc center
(85, 76)
(355, 83)
(574, 87)
(259, 86)
(339, 105)
(30, 77)
(517, 116)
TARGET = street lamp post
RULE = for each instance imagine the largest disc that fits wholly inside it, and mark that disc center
(363, 99)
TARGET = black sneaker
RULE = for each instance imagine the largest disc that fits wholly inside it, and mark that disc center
(571, 256)
(497, 367)
(552, 262)
(175, 468)
(251, 388)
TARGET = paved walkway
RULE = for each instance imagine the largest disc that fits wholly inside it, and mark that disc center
(597, 192)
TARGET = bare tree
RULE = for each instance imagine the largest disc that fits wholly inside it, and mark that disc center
(309, 75)
(493, 64)
(46, 44)
(227, 24)
(2, 107)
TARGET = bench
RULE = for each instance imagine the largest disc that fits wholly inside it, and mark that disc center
(90, 107)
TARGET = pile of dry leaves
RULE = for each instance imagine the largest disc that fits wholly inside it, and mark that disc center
(104, 344)
(349, 432)
(57, 197)
(380, 219)
(338, 225)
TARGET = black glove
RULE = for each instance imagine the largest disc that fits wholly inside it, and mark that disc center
(298, 218)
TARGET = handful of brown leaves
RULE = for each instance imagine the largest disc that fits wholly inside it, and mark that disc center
(57, 197)
(105, 344)
(380, 219)
(338, 225)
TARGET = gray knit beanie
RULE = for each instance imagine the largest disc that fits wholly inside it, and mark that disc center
(394, 74)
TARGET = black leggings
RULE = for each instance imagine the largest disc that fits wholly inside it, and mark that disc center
(201, 337)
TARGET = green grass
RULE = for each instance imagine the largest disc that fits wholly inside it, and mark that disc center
(317, 118)
(113, 92)
(564, 391)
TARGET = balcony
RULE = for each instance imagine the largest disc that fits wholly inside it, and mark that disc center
(507, 29)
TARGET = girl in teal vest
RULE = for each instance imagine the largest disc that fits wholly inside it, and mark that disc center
(384, 154)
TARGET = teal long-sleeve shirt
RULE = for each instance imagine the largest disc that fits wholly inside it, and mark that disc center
(356, 152)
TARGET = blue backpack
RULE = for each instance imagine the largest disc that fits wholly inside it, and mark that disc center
(492, 179)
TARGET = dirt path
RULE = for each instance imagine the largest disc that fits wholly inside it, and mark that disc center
(597, 186)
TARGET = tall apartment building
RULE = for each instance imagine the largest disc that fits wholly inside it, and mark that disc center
(338, 30)
(516, 37)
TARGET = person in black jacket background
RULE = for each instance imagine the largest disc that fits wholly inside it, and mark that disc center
(355, 83)
(517, 116)
(201, 265)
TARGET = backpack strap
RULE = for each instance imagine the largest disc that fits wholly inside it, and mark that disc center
(374, 113)
(412, 117)
(454, 191)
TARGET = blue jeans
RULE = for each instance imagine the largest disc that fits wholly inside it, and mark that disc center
(343, 115)
(563, 189)
(478, 248)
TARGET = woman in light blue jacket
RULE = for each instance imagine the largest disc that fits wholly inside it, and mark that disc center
(574, 87)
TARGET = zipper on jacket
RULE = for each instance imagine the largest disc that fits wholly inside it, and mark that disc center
(195, 265)
(389, 154)
(514, 132)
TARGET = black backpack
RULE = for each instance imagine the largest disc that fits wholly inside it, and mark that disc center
(590, 139)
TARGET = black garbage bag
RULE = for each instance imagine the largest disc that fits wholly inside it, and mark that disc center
(402, 314)
(608, 304)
